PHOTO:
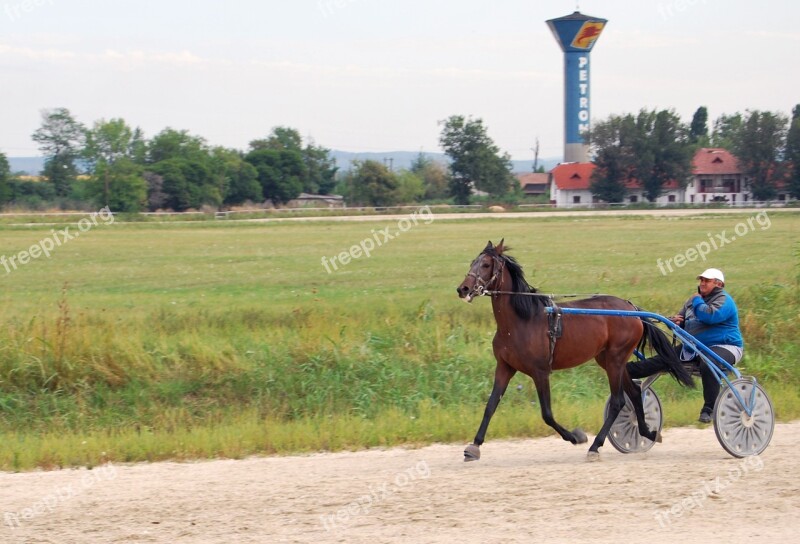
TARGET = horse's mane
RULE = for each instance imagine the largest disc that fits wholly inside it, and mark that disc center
(525, 306)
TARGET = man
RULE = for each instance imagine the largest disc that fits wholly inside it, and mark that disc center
(710, 316)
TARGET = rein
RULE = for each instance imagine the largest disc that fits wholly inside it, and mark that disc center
(481, 290)
(551, 295)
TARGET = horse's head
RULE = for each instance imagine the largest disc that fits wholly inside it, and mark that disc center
(485, 273)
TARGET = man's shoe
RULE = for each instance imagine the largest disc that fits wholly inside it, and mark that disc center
(705, 417)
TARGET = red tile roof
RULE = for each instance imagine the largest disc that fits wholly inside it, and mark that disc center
(535, 178)
(709, 161)
(577, 176)
(573, 175)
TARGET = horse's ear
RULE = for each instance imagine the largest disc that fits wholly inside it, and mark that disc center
(489, 246)
(500, 247)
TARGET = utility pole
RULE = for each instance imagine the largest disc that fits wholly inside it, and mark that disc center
(536, 155)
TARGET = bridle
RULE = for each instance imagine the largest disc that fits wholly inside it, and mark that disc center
(482, 286)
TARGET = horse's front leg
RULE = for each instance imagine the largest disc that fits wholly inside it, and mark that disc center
(502, 375)
(542, 382)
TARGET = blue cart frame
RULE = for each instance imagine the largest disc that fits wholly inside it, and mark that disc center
(743, 417)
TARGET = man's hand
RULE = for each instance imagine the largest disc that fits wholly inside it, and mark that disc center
(677, 319)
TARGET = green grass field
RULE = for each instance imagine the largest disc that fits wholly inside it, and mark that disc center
(147, 341)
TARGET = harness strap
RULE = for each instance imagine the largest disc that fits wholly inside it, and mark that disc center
(555, 328)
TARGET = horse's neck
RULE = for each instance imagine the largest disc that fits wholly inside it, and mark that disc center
(504, 314)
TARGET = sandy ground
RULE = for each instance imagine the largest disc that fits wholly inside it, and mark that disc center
(686, 489)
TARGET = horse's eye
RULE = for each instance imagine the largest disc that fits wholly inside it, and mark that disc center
(485, 265)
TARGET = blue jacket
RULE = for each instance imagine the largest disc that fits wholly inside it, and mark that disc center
(713, 320)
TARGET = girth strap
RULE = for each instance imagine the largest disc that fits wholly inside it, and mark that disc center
(555, 328)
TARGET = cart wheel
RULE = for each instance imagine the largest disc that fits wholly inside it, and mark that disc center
(624, 434)
(742, 435)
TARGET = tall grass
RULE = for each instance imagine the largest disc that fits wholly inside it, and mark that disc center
(143, 342)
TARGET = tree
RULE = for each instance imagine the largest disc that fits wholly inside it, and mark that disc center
(186, 169)
(610, 143)
(652, 149)
(726, 129)
(281, 139)
(698, 130)
(671, 148)
(476, 162)
(280, 173)
(60, 139)
(319, 173)
(758, 143)
(5, 179)
(434, 175)
(171, 144)
(240, 178)
(371, 183)
(410, 187)
(320, 169)
(793, 152)
(119, 185)
(111, 151)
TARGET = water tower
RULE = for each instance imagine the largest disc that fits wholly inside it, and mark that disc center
(576, 34)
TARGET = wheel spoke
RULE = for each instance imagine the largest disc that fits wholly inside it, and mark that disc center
(624, 434)
(739, 433)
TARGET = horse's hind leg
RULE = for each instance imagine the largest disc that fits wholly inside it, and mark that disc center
(635, 394)
(615, 405)
(542, 382)
(616, 378)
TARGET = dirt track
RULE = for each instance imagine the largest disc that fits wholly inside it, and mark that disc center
(684, 490)
(439, 214)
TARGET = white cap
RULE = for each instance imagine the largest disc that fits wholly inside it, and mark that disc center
(712, 274)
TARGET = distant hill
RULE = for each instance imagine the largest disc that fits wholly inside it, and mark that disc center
(403, 159)
(398, 160)
(31, 166)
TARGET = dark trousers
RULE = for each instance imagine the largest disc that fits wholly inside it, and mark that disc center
(653, 365)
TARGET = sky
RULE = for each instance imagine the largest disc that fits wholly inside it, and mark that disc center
(380, 75)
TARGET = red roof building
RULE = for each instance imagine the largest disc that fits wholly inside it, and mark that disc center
(716, 177)
(534, 183)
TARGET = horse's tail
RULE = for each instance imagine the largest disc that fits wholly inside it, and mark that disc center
(662, 346)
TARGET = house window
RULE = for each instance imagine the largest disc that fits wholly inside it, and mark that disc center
(576, 199)
(671, 198)
(782, 197)
(634, 199)
(729, 184)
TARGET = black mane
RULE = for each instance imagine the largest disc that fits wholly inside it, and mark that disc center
(525, 306)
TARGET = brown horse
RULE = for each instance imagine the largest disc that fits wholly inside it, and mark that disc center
(526, 342)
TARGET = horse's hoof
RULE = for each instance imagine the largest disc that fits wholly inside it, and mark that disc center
(658, 437)
(472, 453)
(593, 456)
(580, 436)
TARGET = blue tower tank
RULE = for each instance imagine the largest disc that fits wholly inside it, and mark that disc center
(576, 34)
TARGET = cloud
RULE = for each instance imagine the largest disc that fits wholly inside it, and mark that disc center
(28, 53)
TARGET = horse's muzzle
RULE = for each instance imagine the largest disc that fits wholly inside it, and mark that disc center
(465, 292)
